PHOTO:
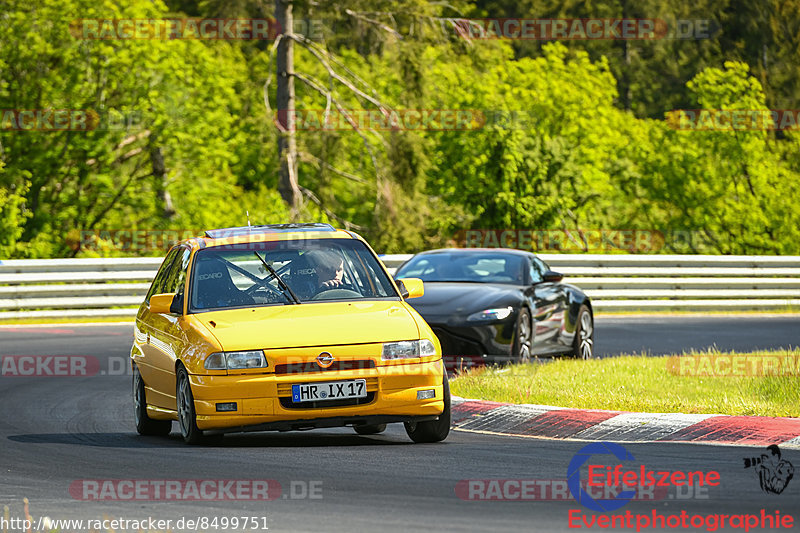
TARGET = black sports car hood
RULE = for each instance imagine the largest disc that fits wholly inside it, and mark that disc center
(446, 302)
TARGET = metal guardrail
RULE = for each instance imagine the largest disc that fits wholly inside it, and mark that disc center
(114, 287)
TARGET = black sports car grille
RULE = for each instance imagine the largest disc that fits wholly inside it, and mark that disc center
(456, 345)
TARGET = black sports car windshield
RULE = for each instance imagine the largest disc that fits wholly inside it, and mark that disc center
(310, 270)
(466, 267)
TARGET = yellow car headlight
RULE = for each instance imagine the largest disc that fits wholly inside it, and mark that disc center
(407, 349)
(215, 361)
(234, 360)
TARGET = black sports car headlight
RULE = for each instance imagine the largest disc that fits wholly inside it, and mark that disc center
(487, 315)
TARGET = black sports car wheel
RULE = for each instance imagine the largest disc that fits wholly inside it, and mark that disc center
(522, 337)
(144, 424)
(583, 344)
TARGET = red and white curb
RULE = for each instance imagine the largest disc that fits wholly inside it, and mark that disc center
(617, 426)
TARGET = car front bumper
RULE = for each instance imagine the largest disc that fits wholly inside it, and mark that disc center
(263, 401)
(478, 343)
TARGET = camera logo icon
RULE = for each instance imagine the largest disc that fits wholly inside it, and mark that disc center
(774, 473)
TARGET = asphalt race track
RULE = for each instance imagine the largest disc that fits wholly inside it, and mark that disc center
(671, 334)
(57, 431)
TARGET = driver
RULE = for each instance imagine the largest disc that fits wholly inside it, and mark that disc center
(329, 267)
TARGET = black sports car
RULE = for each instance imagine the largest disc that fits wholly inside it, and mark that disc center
(499, 305)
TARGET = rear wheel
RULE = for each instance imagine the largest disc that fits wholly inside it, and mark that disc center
(433, 430)
(144, 424)
(370, 429)
(522, 337)
(583, 343)
(187, 417)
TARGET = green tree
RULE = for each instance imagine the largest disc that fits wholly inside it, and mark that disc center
(167, 165)
(731, 189)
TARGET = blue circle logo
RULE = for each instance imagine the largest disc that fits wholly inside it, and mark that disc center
(574, 477)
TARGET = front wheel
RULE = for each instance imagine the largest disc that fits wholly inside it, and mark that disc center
(144, 424)
(583, 344)
(187, 417)
(433, 430)
(522, 337)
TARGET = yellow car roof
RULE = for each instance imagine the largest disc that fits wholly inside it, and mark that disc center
(269, 232)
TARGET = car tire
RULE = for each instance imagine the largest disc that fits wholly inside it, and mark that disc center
(187, 417)
(583, 343)
(370, 429)
(432, 430)
(144, 424)
(521, 351)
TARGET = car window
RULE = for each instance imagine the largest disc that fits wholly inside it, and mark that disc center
(313, 269)
(418, 268)
(541, 266)
(536, 271)
(158, 282)
(367, 274)
(175, 280)
(489, 267)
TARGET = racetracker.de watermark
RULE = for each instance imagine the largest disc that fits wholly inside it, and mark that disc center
(381, 120)
(549, 490)
(733, 119)
(193, 490)
(146, 241)
(55, 366)
(171, 29)
(140, 241)
(55, 120)
(47, 120)
(570, 29)
(574, 240)
(726, 365)
(82, 366)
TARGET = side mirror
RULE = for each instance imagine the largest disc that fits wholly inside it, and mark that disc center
(166, 303)
(552, 277)
(410, 287)
(176, 307)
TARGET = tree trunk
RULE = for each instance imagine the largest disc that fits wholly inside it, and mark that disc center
(287, 145)
(164, 199)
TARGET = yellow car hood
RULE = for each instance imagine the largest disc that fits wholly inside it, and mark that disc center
(311, 324)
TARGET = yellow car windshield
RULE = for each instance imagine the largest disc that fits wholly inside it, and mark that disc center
(311, 270)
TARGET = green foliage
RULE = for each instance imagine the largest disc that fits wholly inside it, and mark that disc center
(174, 104)
(562, 136)
(12, 217)
(733, 187)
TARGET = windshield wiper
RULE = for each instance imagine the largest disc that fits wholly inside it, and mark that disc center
(281, 283)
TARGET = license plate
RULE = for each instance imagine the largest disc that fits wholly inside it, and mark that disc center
(329, 390)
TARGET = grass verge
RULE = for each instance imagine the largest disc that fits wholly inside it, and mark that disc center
(635, 383)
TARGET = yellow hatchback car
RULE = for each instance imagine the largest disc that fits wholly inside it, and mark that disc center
(284, 327)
